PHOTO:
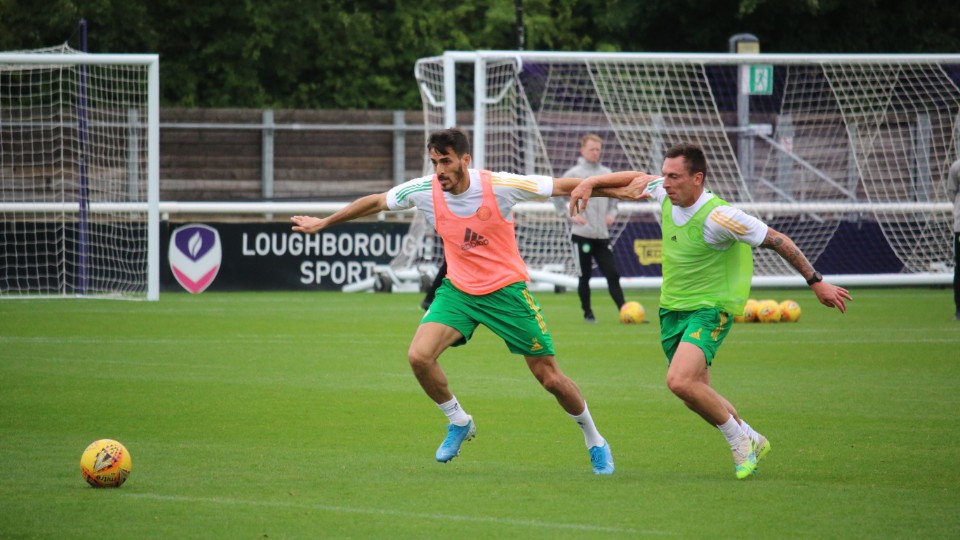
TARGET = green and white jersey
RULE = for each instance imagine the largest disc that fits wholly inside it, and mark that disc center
(724, 226)
(509, 189)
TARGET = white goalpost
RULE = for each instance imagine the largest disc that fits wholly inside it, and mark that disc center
(822, 147)
(79, 175)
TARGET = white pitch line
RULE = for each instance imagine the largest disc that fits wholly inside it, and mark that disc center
(399, 513)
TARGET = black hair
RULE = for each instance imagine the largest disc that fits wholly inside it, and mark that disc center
(449, 139)
(692, 153)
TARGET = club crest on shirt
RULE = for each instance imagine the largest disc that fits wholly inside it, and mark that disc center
(484, 213)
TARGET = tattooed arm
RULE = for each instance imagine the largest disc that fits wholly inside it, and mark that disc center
(828, 294)
(783, 245)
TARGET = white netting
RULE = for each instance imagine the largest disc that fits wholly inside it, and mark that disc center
(73, 145)
(833, 129)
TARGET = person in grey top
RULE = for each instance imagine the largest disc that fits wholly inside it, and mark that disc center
(590, 229)
(953, 191)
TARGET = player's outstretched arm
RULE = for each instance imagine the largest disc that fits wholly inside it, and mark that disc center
(625, 185)
(828, 294)
(362, 207)
(636, 190)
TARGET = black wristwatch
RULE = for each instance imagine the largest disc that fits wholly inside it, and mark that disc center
(815, 278)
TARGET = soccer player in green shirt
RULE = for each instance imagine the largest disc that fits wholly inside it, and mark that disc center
(707, 270)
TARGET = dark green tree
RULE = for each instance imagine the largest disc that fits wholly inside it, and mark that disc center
(361, 53)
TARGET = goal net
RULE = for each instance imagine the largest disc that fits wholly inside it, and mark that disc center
(79, 174)
(818, 146)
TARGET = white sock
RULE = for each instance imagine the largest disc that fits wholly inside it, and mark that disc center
(591, 436)
(454, 412)
(749, 431)
(731, 430)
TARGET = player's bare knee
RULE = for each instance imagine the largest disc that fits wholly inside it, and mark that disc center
(551, 382)
(549, 375)
(419, 361)
(680, 386)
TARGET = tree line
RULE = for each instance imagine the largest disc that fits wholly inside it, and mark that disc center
(343, 54)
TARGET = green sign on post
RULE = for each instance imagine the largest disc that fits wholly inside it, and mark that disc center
(761, 80)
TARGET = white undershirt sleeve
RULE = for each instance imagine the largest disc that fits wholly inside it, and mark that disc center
(726, 225)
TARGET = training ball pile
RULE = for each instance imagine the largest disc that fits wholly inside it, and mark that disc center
(105, 463)
(769, 311)
(632, 313)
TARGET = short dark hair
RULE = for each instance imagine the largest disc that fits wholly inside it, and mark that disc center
(452, 138)
(692, 153)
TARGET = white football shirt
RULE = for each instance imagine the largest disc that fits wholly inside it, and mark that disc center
(509, 189)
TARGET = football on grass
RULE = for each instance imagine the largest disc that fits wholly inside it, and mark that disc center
(749, 312)
(789, 311)
(105, 463)
(768, 311)
(632, 313)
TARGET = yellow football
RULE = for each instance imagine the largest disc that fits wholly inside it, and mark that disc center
(632, 313)
(105, 463)
(789, 311)
(749, 312)
(768, 311)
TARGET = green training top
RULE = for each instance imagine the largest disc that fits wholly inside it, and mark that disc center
(696, 275)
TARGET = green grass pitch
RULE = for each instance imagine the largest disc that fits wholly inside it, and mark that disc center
(284, 415)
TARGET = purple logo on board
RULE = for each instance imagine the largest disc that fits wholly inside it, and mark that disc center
(195, 256)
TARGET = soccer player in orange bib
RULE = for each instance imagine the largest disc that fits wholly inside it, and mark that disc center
(486, 279)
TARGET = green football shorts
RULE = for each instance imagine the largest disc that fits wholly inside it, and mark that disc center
(706, 328)
(511, 313)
